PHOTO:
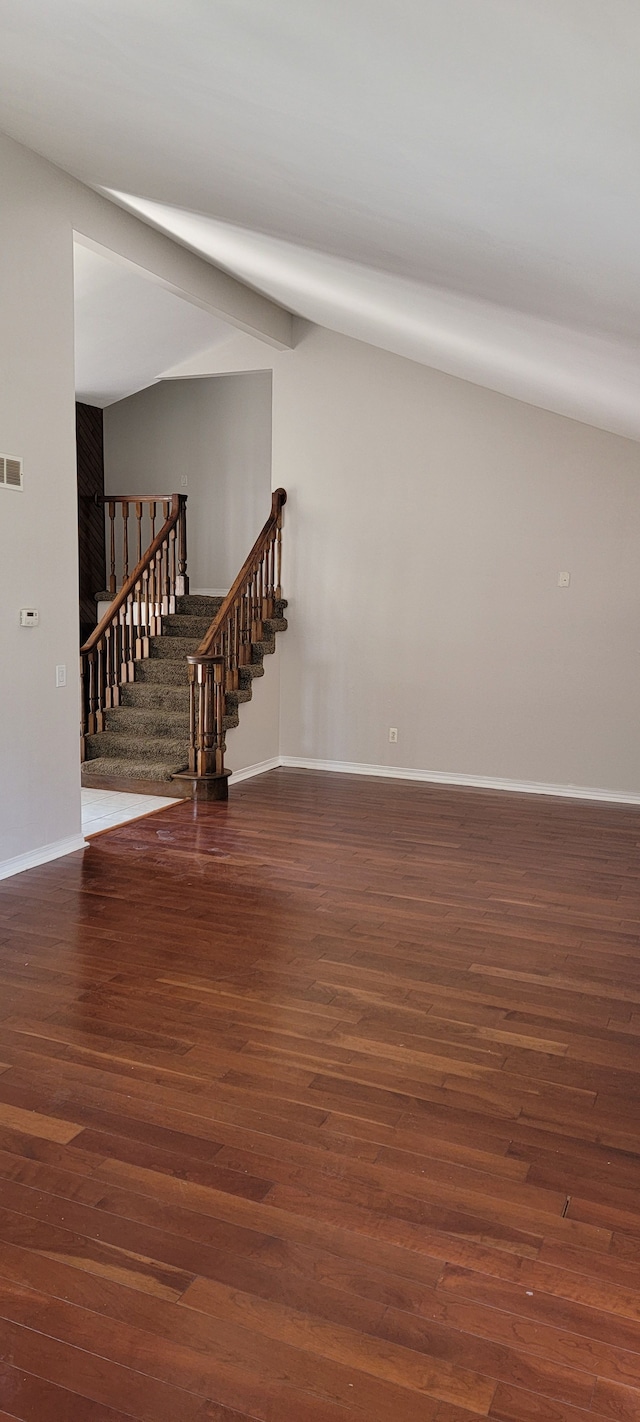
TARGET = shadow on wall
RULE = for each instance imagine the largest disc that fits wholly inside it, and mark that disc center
(211, 439)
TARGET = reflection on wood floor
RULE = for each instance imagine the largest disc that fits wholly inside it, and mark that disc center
(323, 1106)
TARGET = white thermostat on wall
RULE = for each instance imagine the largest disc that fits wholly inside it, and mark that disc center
(29, 617)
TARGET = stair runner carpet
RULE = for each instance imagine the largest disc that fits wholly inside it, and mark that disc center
(146, 737)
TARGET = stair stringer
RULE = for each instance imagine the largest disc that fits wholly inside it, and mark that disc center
(255, 741)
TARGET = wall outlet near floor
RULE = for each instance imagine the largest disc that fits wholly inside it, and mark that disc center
(564, 579)
(61, 675)
(393, 735)
(184, 480)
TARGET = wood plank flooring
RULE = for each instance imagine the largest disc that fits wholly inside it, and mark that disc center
(324, 1106)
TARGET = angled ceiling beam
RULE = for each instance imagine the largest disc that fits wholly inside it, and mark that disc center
(108, 229)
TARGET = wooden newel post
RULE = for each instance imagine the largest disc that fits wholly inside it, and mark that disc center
(218, 669)
(206, 727)
(278, 502)
(182, 581)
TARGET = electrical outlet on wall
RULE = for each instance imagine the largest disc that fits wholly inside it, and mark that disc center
(393, 735)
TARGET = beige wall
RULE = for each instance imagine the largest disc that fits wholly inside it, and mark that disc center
(40, 209)
(39, 760)
(426, 524)
(218, 433)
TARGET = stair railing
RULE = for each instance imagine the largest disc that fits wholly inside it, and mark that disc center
(135, 615)
(126, 544)
(214, 668)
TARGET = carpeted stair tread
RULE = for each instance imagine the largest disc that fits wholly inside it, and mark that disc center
(234, 698)
(198, 605)
(161, 671)
(173, 647)
(155, 696)
(135, 769)
(263, 649)
(145, 725)
(271, 625)
(176, 625)
(144, 722)
(165, 749)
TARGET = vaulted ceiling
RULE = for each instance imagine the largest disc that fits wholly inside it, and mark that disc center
(455, 179)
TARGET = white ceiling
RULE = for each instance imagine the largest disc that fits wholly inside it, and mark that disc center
(129, 329)
(489, 150)
(585, 375)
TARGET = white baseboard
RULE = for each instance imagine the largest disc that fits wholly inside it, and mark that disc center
(208, 592)
(479, 782)
(34, 857)
(251, 770)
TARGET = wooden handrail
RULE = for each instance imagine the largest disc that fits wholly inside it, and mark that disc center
(214, 669)
(278, 500)
(132, 498)
(123, 635)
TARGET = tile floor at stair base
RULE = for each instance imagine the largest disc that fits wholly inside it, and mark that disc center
(104, 809)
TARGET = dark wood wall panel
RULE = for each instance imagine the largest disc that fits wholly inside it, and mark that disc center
(89, 443)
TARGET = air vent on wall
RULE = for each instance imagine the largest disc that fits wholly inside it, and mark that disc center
(10, 472)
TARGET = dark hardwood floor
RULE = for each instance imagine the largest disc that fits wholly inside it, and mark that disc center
(323, 1106)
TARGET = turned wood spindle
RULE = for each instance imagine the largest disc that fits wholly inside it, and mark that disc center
(125, 541)
(112, 546)
(138, 530)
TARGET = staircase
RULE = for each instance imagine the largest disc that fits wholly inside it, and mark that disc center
(164, 673)
(146, 738)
